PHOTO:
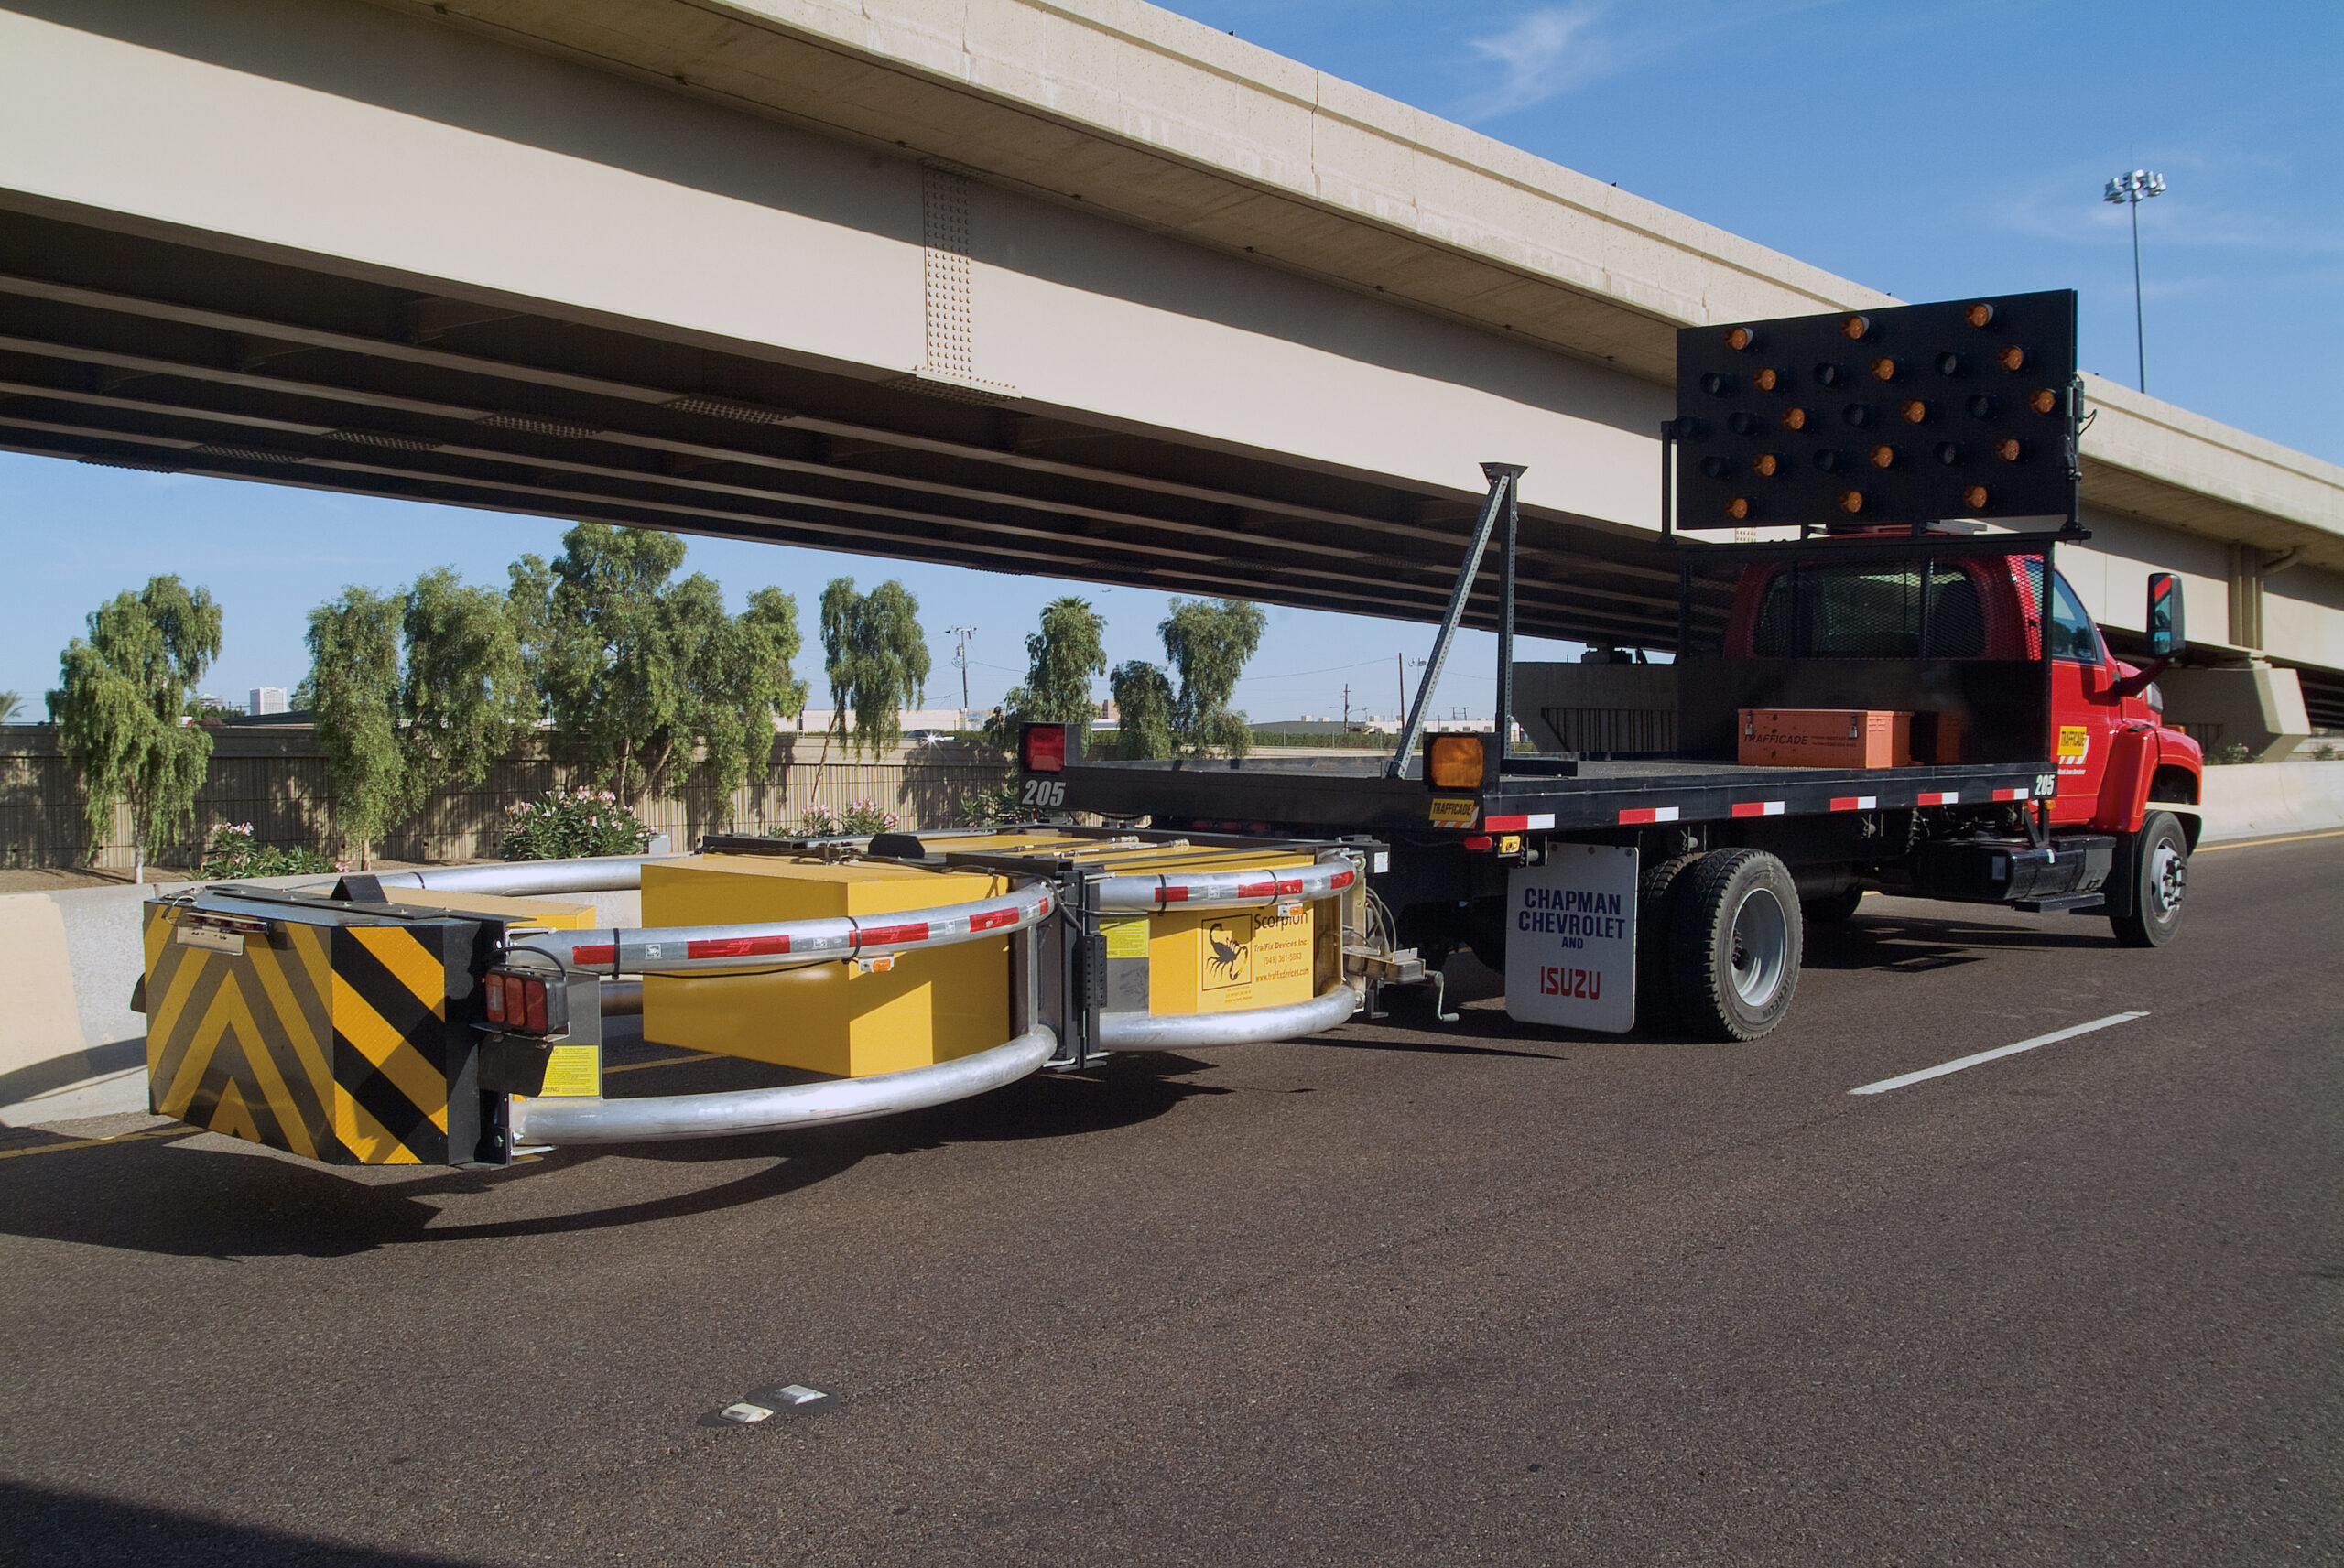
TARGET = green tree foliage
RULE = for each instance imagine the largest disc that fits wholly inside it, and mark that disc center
(352, 696)
(122, 693)
(875, 658)
(1208, 641)
(1144, 700)
(1061, 659)
(645, 673)
(465, 692)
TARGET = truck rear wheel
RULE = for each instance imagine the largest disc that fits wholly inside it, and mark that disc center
(2158, 863)
(1734, 935)
(1655, 890)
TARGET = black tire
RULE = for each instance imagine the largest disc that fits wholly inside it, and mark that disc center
(1735, 938)
(1655, 889)
(1485, 931)
(2157, 859)
(1836, 909)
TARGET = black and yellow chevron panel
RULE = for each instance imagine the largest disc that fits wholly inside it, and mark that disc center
(331, 1037)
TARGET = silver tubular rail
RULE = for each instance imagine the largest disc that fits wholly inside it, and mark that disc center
(655, 1117)
(1146, 1031)
(1220, 890)
(714, 949)
(529, 879)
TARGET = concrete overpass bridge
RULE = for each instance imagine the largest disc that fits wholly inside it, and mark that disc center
(1078, 288)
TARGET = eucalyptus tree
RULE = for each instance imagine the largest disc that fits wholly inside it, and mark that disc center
(351, 693)
(1144, 703)
(464, 693)
(875, 658)
(1061, 659)
(648, 676)
(1208, 642)
(122, 696)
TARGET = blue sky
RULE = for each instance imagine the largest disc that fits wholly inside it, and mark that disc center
(1929, 150)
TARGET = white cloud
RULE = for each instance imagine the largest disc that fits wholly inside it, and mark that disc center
(1546, 53)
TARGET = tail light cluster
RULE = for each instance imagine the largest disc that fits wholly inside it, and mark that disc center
(525, 1002)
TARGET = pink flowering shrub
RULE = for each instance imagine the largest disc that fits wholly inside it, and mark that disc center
(568, 824)
(232, 852)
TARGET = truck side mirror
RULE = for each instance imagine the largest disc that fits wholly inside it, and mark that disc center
(2168, 633)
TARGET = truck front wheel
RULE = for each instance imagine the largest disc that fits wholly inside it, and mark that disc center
(1734, 935)
(2158, 864)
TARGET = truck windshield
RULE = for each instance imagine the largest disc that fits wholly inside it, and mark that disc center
(1871, 611)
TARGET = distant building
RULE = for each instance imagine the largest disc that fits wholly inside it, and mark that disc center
(266, 699)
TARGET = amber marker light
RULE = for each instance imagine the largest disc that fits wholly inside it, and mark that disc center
(1766, 463)
(1738, 508)
(1916, 411)
(1884, 369)
(1454, 762)
(1851, 501)
(1739, 338)
(1883, 456)
(2045, 401)
(1856, 328)
(2009, 449)
(1765, 380)
(1975, 498)
(1794, 419)
(2012, 358)
(1979, 315)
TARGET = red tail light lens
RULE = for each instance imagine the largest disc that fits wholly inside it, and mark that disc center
(493, 989)
(1043, 749)
(533, 999)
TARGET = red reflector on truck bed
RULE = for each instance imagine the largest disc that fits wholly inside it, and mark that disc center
(1647, 813)
(1757, 809)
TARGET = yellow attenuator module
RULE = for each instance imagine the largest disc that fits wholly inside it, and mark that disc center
(931, 1005)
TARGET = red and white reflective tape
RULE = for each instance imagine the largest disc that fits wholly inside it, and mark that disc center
(1940, 797)
(1647, 813)
(716, 948)
(1123, 895)
(1757, 809)
(1533, 821)
(2014, 794)
(1855, 802)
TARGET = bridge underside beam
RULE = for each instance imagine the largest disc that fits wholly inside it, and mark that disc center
(129, 350)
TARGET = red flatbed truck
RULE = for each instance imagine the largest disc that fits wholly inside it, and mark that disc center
(1676, 887)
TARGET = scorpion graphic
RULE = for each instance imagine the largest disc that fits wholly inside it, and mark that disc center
(1226, 961)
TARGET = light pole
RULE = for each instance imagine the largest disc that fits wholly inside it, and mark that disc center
(2130, 190)
(960, 657)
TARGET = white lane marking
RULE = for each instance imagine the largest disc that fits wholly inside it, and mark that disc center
(1942, 1068)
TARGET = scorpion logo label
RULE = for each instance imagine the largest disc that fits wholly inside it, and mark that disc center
(1227, 963)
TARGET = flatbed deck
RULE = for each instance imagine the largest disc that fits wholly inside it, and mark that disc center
(1352, 794)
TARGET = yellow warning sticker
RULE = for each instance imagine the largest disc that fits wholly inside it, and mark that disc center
(1125, 938)
(2075, 742)
(575, 1070)
(1447, 812)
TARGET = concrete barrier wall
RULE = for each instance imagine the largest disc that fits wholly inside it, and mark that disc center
(70, 1045)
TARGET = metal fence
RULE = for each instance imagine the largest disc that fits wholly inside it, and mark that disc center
(275, 778)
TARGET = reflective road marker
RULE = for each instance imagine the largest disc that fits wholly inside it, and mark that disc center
(1942, 1068)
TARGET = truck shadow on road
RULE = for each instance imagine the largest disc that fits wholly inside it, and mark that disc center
(201, 1195)
(1911, 943)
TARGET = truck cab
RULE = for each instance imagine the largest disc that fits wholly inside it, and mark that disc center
(2113, 751)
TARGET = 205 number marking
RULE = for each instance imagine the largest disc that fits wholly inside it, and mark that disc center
(1044, 792)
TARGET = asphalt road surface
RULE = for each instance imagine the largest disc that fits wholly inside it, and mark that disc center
(1406, 1294)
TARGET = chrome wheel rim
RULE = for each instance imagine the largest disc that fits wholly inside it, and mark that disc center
(2169, 876)
(1762, 947)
